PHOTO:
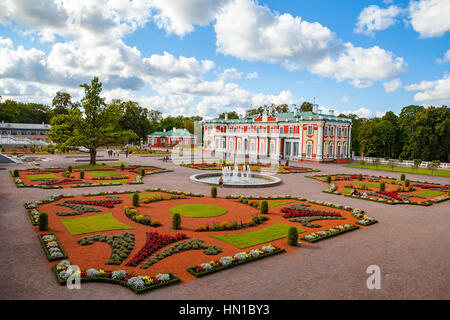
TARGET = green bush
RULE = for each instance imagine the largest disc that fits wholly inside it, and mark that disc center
(69, 168)
(16, 173)
(264, 207)
(406, 183)
(176, 221)
(245, 201)
(360, 177)
(382, 186)
(402, 177)
(122, 167)
(43, 221)
(213, 192)
(142, 172)
(328, 179)
(82, 174)
(136, 200)
(292, 236)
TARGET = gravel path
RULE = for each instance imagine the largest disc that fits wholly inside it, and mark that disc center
(411, 245)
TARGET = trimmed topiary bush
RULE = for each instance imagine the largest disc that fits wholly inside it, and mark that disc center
(176, 221)
(81, 174)
(328, 179)
(402, 177)
(360, 177)
(122, 167)
(213, 192)
(292, 236)
(382, 186)
(142, 172)
(43, 221)
(264, 207)
(136, 200)
(16, 173)
(69, 168)
(406, 183)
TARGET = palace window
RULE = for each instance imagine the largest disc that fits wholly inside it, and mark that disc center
(345, 132)
(291, 130)
(271, 130)
(339, 151)
(264, 129)
(309, 149)
(331, 150)
(332, 131)
(345, 150)
(257, 129)
(310, 130)
(325, 131)
(339, 131)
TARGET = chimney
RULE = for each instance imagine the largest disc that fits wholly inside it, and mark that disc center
(331, 112)
(174, 129)
(315, 108)
(164, 130)
(226, 116)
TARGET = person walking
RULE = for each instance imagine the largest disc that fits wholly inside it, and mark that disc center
(126, 153)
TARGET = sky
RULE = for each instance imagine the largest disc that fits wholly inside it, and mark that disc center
(205, 57)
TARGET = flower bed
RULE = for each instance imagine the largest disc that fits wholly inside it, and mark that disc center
(294, 213)
(193, 244)
(320, 235)
(137, 284)
(77, 209)
(229, 262)
(364, 220)
(189, 194)
(154, 242)
(107, 203)
(121, 245)
(225, 225)
(103, 193)
(133, 214)
(52, 248)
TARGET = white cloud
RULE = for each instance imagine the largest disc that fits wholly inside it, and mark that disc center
(430, 18)
(230, 74)
(179, 16)
(374, 18)
(345, 99)
(251, 32)
(392, 85)
(380, 114)
(361, 66)
(361, 112)
(446, 57)
(432, 92)
(252, 75)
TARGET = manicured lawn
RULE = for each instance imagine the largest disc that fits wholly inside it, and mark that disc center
(111, 181)
(101, 222)
(42, 176)
(428, 193)
(98, 165)
(277, 203)
(346, 191)
(198, 210)
(438, 173)
(103, 174)
(244, 240)
(146, 195)
(367, 184)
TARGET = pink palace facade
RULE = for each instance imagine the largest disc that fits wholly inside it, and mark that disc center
(301, 136)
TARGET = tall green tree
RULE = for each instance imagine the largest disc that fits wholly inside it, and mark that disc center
(133, 117)
(306, 106)
(93, 125)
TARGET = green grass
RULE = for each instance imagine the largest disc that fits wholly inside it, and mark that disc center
(99, 166)
(427, 193)
(244, 240)
(438, 173)
(103, 174)
(42, 176)
(97, 223)
(277, 203)
(110, 181)
(367, 184)
(146, 195)
(198, 210)
(346, 191)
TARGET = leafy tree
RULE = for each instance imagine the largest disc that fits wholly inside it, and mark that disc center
(306, 106)
(93, 125)
(231, 115)
(62, 103)
(133, 117)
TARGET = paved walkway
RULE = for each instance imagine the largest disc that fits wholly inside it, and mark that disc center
(410, 244)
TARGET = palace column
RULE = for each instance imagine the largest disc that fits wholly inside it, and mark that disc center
(319, 152)
(300, 147)
(349, 141)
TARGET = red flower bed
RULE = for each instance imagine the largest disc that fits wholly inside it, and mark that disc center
(427, 186)
(292, 213)
(37, 171)
(99, 203)
(392, 194)
(155, 241)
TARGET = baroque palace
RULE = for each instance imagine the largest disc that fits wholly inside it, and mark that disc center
(302, 136)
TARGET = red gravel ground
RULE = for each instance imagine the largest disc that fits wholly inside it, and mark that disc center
(410, 244)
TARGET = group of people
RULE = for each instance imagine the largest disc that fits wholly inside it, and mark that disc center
(356, 193)
(113, 153)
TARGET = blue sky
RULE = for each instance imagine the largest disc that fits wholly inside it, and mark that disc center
(208, 56)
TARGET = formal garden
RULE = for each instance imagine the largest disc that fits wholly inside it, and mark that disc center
(83, 176)
(385, 189)
(148, 239)
(282, 169)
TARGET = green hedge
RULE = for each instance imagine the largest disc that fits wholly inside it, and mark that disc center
(191, 270)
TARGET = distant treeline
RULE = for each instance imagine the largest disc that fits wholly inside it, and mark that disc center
(416, 133)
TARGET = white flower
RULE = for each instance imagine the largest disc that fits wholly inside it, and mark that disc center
(225, 260)
(163, 277)
(136, 282)
(240, 256)
(254, 253)
(206, 266)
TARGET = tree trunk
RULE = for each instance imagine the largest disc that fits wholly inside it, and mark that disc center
(93, 153)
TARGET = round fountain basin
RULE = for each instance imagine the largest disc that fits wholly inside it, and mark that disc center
(254, 180)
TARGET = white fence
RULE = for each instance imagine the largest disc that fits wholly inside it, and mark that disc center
(406, 163)
(9, 140)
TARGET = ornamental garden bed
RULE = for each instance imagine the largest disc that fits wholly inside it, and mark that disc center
(253, 167)
(83, 176)
(109, 245)
(385, 189)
